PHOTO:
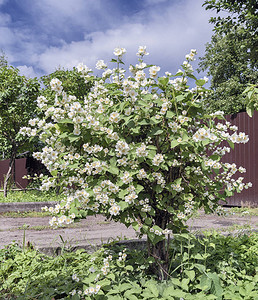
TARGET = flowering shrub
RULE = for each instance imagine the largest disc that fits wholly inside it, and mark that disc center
(139, 149)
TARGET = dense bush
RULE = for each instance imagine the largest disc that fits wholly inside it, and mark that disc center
(136, 150)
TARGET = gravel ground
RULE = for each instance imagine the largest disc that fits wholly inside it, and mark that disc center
(94, 231)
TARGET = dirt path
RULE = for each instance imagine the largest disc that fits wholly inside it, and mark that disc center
(96, 230)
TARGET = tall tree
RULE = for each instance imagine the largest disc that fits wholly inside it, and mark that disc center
(231, 57)
(18, 96)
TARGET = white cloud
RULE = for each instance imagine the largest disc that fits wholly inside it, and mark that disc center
(27, 71)
(153, 2)
(64, 33)
(169, 33)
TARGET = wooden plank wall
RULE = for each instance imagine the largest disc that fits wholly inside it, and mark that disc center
(245, 155)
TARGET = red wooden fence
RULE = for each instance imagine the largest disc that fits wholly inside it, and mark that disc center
(246, 155)
(20, 171)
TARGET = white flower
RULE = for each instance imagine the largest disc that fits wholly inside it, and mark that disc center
(153, 71)
(83, 69)
(142, 151)
(114, 117)
(158, 159)
(119, 51)
(114, 210)
(142, 51)
(75, 278)
(181, 215)
(122, 148)
(100, 64)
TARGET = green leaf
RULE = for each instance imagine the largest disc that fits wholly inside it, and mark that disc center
(163, 80)
(216, 283)
(168, 292)
(124, 286)
(156, 131)
(153, 120)
(231, 144)
(174, 143)
(123, 205)
(131, 124)
(73, 138)
(198, 256)
(185, 284)
(250, 111)
(170, 114)
(205, 282)
(129, 268)
(139, 188)
(65, 121)
(129, 296)
(190, 274)
(117, 92)
(176, 281)
(122, 194)
(200, 82)
(152, 287)
(144, 122)
(177, 293)
(113, 170)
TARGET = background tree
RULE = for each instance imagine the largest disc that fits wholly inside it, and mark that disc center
(232, 55)
(18, 104)
(72, 83)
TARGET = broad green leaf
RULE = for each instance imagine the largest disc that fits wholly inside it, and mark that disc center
(174, 143)
(154, 120)
(250, 111)
(123, 205)
(113, 170)
(73, 138)
(153, 288)
(190, 274)
(163, 80)
(200, 82)
(143, 122)
(156, 131)
(68, 121)
(170, 114)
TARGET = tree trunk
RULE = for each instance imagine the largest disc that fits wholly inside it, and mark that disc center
(9, 172)
(160, 252)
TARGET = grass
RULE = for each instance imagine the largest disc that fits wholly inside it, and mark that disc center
(24, 214)
(30, 196)
(243, 211)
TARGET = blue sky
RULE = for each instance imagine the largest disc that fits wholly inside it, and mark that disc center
(39, 36)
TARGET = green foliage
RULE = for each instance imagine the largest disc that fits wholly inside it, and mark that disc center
(231, 56)
(252, 99)
(210, 267)
(18, 105)
(30, 196)
(72, 83)
(242, 12)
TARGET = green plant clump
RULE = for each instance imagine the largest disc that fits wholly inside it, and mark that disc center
(210, 267)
